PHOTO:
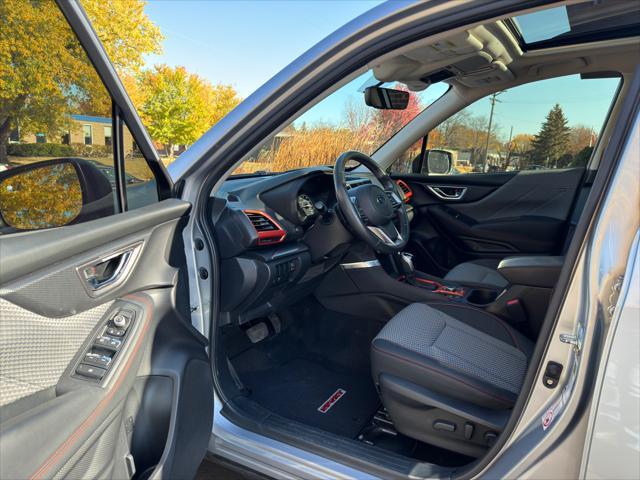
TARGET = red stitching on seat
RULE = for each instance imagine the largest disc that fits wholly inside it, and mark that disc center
(473, 387)
(62, 449)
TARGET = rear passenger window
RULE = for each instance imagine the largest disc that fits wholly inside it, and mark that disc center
(57, 162)
(542, 125)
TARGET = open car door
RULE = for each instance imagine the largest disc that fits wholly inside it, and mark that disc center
(101, 373)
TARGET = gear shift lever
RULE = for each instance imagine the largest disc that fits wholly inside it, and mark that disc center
(406, 264)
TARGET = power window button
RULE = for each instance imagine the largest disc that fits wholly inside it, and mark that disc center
(90, 371)
(108, 342)
(97, 359)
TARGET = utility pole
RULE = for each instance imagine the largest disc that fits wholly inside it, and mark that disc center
(486, 147)
(508, 161)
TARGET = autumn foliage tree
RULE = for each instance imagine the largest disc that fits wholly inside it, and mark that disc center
(177, 107)
(44, 72)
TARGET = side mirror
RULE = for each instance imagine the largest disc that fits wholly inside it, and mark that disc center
(52, 194)
(386, 98)
(439, 162)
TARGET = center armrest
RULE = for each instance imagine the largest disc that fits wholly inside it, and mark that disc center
(541, 271)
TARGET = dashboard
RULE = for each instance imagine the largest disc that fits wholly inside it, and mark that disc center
(277, 235)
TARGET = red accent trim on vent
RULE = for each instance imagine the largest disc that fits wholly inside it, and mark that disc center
(269, 237)
(408, 193)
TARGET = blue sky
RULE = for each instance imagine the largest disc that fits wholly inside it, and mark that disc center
(584, 102)
(244, 43)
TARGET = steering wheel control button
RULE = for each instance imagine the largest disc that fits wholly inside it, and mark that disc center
(90, 371)
(97, 359)
(108, 342)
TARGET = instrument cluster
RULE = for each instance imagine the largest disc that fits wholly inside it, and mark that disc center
(305, 206)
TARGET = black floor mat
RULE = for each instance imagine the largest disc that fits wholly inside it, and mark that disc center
(298, 388)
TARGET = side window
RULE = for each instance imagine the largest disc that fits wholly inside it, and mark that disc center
(57, 162)
(139, 181)
(542, 125)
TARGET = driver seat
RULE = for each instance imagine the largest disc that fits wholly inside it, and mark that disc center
(449, 374)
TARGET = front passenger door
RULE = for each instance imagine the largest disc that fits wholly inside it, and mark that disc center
(516, 175)
(101, 373)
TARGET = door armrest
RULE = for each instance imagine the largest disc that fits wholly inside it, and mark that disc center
(540, 271)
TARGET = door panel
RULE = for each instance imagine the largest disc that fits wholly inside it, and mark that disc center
(498, 215)
(57, 420)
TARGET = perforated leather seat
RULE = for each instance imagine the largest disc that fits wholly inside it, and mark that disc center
(446, 369)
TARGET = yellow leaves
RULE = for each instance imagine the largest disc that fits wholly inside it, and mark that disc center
(49, 196)
(45, 74)
(178, 107)
(125, 30)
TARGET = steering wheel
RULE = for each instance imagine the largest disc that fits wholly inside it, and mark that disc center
(369, 210)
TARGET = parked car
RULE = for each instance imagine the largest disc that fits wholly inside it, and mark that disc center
(336, 320)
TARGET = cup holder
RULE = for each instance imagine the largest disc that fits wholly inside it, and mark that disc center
(482, 296)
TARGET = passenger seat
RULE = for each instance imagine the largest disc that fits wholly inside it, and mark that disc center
(449, 374)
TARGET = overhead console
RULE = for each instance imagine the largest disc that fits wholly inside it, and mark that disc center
(476, 57)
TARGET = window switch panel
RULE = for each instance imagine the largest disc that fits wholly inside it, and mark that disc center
(90, 371)
(108, 342)
(115, 332)
(97, 359)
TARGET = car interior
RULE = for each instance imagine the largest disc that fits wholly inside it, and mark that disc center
(393, 309)
(378, 306)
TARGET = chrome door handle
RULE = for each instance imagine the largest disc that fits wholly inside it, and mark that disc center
(110, 269)
(447, 192)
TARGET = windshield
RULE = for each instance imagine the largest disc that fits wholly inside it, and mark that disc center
(340, 122)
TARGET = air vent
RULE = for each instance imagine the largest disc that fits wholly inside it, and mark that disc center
(408, 193)
(268, 230)
(261, 222)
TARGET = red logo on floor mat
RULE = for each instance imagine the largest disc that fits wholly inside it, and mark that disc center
(332, 400)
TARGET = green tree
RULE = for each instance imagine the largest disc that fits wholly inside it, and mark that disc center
(178, 107)
(44, 72)
(552, 142)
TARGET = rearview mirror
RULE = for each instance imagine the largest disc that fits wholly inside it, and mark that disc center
(386, 98)
(52, 194)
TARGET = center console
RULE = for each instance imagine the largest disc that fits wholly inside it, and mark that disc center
(479, 297)
(364, 285)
